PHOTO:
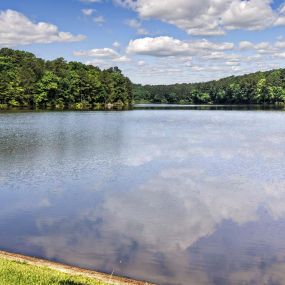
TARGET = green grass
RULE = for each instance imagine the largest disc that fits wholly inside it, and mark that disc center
(18, 273)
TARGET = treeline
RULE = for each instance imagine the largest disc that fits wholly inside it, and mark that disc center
(256, 88)
(30, 82)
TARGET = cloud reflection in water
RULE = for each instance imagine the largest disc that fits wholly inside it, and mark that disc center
(170, 196)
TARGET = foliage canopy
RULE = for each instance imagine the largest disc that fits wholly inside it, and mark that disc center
(256, 88)
(28, 81)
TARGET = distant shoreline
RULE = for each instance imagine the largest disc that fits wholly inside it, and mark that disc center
(114, 106)
(139, 106)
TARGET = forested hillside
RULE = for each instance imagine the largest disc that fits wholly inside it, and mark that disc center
(30, 82)
(256, 88)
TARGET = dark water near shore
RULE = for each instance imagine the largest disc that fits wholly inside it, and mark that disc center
(170, 196)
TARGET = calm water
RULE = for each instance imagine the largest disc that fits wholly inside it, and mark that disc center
(170, 196)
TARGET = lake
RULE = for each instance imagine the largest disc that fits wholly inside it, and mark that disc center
(168, 196)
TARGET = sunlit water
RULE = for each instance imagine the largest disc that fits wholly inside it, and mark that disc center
(169, 196)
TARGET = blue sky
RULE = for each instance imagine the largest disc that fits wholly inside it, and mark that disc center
(152, 41)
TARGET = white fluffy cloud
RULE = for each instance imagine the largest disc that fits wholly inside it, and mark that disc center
(104, 57)
(87, 12)
(116, 44)
(122, 58)
(100, 53)
(209, 17)
(161, 60)
(17, 29)
(263, 47)
(168, 46)
(281, 19)
(280, 44)
(169, 60)
(99, 20)
(135, 24)
(220, 55)
(251, 15)
(257, 46)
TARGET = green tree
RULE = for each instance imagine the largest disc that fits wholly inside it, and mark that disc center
(47, 90)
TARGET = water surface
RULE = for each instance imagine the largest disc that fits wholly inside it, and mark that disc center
(169, 196)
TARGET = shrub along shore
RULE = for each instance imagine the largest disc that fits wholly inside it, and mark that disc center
(19, 269)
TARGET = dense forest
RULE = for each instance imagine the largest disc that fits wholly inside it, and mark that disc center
(256, 88)
(30, 82)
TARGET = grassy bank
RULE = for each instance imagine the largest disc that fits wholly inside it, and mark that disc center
(20, 273)
(18, 269)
